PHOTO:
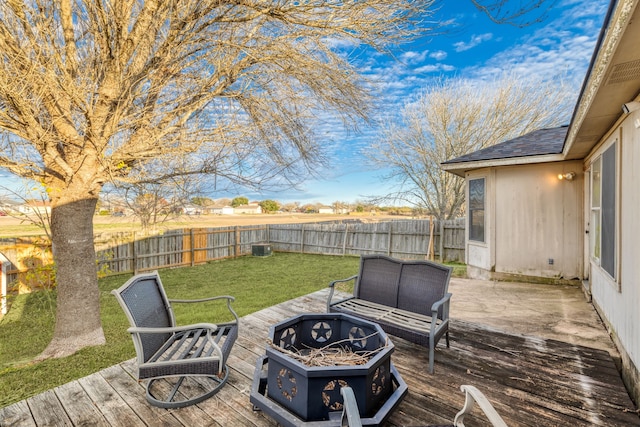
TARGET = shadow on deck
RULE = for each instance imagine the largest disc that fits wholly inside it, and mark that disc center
(536, 378)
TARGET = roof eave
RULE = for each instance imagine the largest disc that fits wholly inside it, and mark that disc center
(461, 168)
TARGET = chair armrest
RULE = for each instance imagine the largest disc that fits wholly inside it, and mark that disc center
(332, 288)
(228, 299)
(472, 395)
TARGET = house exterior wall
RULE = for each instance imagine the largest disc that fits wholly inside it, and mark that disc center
(540, 219)
(618, 300)
(540, 231)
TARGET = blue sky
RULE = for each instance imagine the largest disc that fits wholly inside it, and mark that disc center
(475, 48)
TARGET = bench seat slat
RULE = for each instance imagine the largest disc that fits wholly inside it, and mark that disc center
(379, 312)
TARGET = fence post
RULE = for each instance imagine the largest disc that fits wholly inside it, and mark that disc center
(134, 254)
(5, 263)
(193, 247)
(236, 250)
(344, 239)
(430, 250)
(441, 245)
(302, 239)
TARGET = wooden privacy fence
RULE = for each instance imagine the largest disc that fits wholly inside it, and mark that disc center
(131, 252)
(411, 239)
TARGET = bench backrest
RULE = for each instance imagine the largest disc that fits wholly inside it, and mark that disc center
(408, 285)
(146, 305)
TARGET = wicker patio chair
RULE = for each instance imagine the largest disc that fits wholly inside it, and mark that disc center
(351, 418)
(183, 365)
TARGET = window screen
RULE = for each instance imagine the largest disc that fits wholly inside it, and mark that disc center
(608, 211)
(476, 209)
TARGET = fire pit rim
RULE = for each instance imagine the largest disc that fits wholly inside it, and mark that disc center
(312, 371)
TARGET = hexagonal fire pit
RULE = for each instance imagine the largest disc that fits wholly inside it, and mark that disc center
(312, 356)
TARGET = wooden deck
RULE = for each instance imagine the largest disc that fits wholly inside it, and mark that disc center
(531, 381)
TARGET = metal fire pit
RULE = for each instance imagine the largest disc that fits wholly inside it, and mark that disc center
(296, 394)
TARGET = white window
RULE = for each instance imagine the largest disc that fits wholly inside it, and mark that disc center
(603, 239)
(476, 209)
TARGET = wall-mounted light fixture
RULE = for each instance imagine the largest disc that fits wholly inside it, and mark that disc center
(630, 107)
(569, 176)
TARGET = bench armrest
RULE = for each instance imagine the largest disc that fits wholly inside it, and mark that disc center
(472, 395)
(332, 288)
(444, 303)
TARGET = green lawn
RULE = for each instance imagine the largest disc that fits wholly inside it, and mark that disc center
(256, 282)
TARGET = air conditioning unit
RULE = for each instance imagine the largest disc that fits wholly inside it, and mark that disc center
(261, 250)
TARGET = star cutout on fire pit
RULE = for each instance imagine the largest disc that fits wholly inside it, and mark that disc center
(288, 338)
(321, 332)
(287, 384)
(358, 337)
(331, 396)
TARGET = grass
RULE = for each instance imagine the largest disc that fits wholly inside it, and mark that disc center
(255, 282)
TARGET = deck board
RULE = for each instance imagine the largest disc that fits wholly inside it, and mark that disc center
(531, 381)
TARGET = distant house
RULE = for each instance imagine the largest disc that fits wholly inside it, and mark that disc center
(251, 208)
(191, 209)
(562, 204)
(332, 210)
(8, 206)
(221, 210)
(37, 207)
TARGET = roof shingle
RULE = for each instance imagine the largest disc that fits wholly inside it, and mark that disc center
(536, 143)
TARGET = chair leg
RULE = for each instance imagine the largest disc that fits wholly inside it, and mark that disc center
(167, 399)
(446, 337)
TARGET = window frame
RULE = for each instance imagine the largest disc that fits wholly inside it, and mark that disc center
(604, 196)
(473, 212)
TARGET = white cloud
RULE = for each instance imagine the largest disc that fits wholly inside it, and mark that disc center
(438, 55)
(475, 41)
(413, 57)
(433, 68)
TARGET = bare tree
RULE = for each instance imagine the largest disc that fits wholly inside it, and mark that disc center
(154, 202)
(455, 117)
(92, 90)
(504, 12)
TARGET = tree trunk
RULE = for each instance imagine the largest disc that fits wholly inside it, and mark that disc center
(78, 322)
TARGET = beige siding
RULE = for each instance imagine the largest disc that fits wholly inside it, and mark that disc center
(540, 219)
(532, 217)
(619, 300)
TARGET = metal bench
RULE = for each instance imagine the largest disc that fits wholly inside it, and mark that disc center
(409, 299)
